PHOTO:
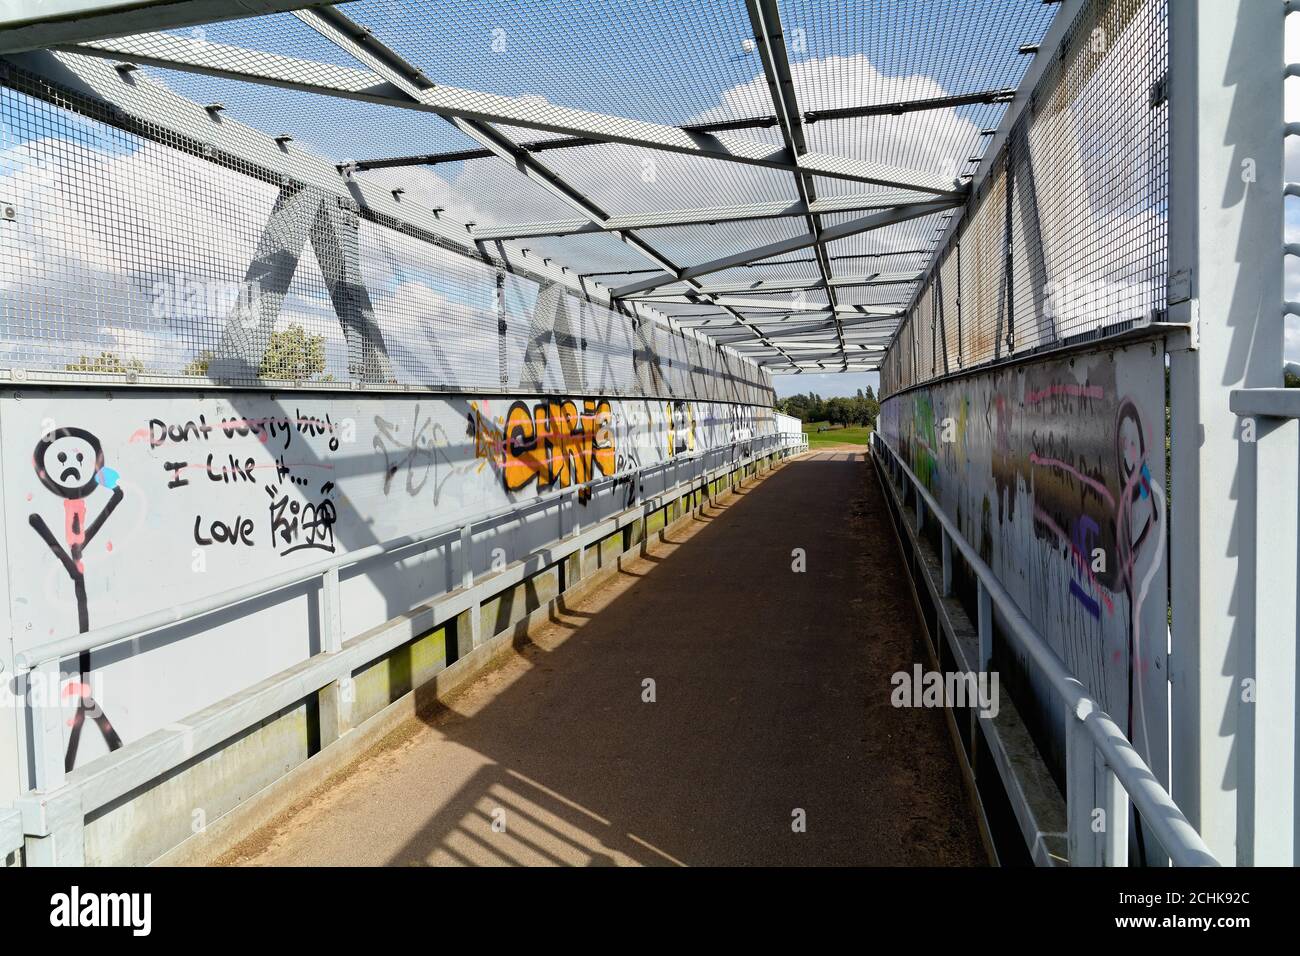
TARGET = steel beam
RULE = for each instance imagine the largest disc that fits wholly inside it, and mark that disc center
(765, 19)
(830, 233)
(37, 26)
(764, 286)
(195, 56)
(899, 107)
(145, 107)
(542, 145)
(704, 216)
(776, 305)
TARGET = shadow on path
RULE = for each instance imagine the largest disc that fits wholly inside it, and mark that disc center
(772, 696)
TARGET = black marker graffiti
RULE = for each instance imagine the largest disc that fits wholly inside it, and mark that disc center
(418, 455)
(299, 526)
(70, 463)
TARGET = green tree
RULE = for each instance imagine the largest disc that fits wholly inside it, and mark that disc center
(200, 364)
(293, 354)
(106, 362)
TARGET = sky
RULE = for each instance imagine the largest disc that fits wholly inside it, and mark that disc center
(827, 385)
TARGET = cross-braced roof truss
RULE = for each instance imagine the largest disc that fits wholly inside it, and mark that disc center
(775, 174)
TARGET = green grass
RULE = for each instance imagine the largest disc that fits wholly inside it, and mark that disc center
(836, 434)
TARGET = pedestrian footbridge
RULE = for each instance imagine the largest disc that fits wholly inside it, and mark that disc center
(395, 471)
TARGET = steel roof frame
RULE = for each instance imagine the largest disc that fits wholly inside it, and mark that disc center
(408, 79)
(390, 80)
(765, 19)
(215, 59)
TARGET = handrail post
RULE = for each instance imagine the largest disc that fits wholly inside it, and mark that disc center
(60, 839)
(984, 624)
(1080, 792)
(1115, 804)
(335, 698)
(466, 559)
(469, 622)
(43, 697)
(947, 563)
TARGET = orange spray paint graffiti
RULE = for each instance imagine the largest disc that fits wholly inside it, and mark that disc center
(556, 443)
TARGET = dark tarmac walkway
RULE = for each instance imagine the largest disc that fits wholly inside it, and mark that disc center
(772, 705)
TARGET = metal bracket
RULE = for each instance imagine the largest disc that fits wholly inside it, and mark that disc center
(1180, 286)
(1159, 91)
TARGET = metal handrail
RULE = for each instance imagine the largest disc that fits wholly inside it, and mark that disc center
(134, 627)
(1159, 812)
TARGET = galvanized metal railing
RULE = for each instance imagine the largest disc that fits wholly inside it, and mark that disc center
(53, 812)
(1092, 734)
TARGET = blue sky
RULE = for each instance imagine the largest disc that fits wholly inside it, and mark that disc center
(827, 385)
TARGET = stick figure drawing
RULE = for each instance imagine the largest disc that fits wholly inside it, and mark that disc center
(70, 463)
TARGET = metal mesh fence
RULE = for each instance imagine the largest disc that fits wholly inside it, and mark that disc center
(1066, 238)
(131, 252)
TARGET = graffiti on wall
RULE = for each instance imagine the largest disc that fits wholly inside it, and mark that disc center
(681, 428)
(1055, 473)
(69, 462)
(553, 443)
(232, 488)
(299, 512)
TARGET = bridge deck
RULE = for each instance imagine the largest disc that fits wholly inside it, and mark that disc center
(772, 694)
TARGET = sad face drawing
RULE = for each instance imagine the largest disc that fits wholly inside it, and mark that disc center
(70, 463)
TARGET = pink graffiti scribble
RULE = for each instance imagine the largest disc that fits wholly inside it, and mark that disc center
(1094, 484)
(74, 521)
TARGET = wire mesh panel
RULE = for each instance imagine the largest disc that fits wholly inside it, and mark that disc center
(1066, 239)
(134, 253)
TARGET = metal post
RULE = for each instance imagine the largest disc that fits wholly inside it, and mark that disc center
(1115, 803)
(1270, 715)
(1080, 793)
(947, 562)
(984, 622)
(335, 698)
(467, 558)
(1225, 281)
(43, 697)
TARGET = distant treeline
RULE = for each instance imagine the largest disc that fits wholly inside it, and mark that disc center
(861, 409)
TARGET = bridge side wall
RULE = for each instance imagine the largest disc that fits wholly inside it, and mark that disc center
(1055, 471)
(181, 494)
